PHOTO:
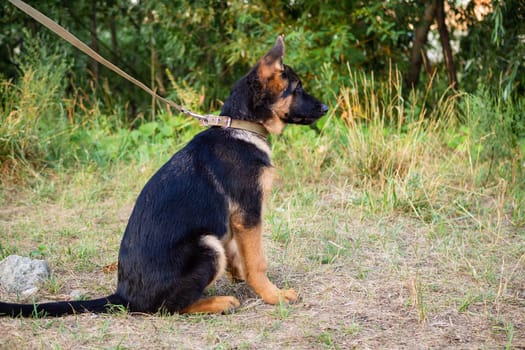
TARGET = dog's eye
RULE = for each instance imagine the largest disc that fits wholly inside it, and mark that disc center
(290, 89)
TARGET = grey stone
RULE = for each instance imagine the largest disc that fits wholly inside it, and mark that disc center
(19, 274)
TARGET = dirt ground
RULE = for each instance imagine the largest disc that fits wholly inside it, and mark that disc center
(364, 283)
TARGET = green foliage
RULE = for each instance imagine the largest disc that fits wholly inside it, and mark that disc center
(104, 140)
(497, 125)
(492, 52)
(32, 117)
(37, 127)
(209, 44)
(102, 144)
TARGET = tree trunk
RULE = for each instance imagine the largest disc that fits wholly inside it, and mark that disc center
(420, 39)
(94, 39)
(159, 76)
(114, 40)
(445, 44)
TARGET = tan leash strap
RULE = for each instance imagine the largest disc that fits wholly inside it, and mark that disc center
(206, 120)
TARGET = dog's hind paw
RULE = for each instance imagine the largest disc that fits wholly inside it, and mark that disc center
(223, 304)
(229, 303)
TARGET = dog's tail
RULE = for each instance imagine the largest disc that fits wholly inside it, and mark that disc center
(62, 307)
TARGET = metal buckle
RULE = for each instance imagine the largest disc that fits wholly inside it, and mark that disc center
(217, 120)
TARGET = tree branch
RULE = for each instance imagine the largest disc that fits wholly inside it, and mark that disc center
(445, 44)
(418, 46)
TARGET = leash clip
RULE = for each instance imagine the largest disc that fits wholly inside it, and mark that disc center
(216, 120)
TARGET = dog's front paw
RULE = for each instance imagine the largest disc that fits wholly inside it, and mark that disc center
(289, 295)
(280, 296)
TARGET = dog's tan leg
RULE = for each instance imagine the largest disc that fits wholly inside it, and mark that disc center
(212, 305)
(249, 241)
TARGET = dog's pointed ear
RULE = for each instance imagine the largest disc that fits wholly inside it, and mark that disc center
(272, 62)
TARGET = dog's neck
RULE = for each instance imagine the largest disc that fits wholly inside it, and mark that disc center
(227, 122)
(243, 112)
(253, 127)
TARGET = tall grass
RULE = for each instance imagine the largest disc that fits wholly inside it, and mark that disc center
(32, 109)
(432, 156)
(393, 143)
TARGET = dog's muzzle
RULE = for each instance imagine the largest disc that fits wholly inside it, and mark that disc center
(309, 119)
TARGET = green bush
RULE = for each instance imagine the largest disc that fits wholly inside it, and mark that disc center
(32, 117)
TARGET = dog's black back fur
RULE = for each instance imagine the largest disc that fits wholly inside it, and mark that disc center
(168, 254)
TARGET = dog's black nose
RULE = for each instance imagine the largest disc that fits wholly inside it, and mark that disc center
(324, 108)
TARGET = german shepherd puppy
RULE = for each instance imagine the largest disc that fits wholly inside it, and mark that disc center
(201, 213)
